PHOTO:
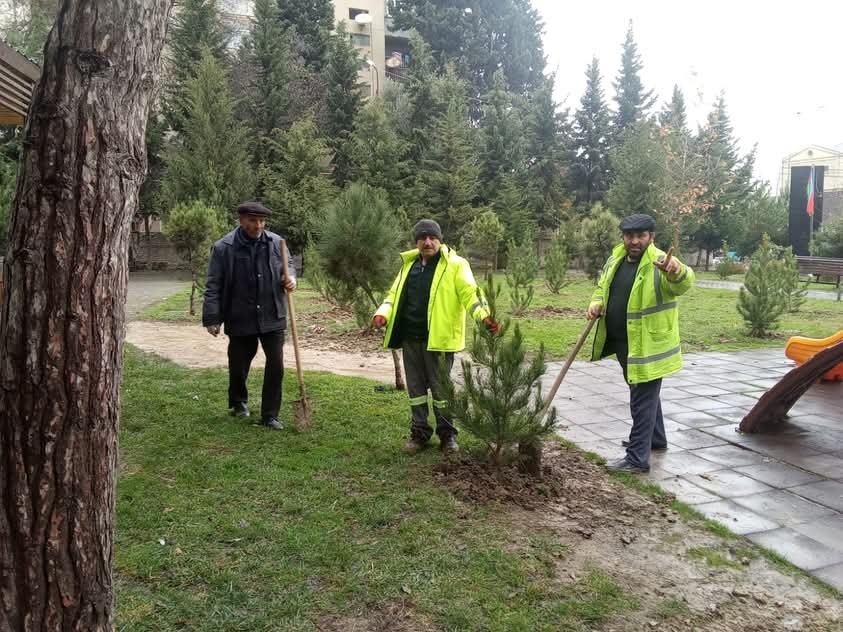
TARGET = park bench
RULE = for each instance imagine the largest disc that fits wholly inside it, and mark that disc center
(822, 267)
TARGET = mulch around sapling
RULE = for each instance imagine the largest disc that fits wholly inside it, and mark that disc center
(554, 311)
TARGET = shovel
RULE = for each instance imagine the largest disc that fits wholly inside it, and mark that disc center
(301, 407)
(552, 392)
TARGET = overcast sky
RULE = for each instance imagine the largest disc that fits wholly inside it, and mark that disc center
(780, 65)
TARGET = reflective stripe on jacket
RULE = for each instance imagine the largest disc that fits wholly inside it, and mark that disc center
(652, 318)
(452, 293)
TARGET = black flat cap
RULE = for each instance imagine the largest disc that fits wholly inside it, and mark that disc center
(253, 208)
(636, 222)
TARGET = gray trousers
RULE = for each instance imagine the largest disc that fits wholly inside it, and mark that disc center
(422, 370)
(647, 432)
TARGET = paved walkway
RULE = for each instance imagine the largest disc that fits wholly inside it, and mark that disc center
(736, 286)
(147, 288)
(782, 490)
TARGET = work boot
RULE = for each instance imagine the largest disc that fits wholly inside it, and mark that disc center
(625, 466)
(272, 423)
(240, 410)
(655, 448)
(449, 445)
(413, 446)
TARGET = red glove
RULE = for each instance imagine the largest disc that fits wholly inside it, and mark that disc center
(379, 321)
(492, 325)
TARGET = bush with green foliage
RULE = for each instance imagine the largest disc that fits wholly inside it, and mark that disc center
(556, 261)
(598, 235)
(501, 402)
(761, 301)
(482, 238)
(788, 270)
(828, 241)
(192, 229)
(522, 270)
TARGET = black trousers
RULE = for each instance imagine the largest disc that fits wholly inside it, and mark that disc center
(423, 374)
(645, 406)
(241, 352)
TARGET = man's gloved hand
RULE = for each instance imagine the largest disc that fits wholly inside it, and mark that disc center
(379, 321)
(491, 325)
(214, 330)
(290, 284)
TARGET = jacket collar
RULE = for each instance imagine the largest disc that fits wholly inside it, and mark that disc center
(647, 257)
(410, 255)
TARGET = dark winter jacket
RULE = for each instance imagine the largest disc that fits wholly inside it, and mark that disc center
(244, 289)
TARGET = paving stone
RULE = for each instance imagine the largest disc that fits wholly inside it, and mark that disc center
(685, 463)
(618, 412)
(824, 464)
(765, 384)
(780, 475)
(736, 387)
(594, 401)
(572, 414)
(604, 448)
(827, 530)
(729, 432)
(705, 390)
(782, 451)
(578, 434)
(686, 491)
(798, 549)
(693, 439)
(822, 421)
(828, 493)
(729, 455)
(657, 474)
(611, 429)
(695, 419)
(738, 519)
(669, 394)
(735, 415)
(736, 399)
(671, 426)
(785, 508)
(728, 483)
(832, 575)
(703, 403)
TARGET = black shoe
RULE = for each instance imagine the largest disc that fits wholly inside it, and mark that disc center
(272, 423)
(625, 466)
(449, 445)
(240, 410)
(659, 448)
(413, 446)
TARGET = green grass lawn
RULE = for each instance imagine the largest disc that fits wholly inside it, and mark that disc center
(709, 320)
(225, 526)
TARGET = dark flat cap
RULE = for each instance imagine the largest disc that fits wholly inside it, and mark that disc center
(639, 221)
(427, 228)
(253, 208)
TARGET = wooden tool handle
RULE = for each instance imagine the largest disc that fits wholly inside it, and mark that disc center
(291, 312)
(580, 342)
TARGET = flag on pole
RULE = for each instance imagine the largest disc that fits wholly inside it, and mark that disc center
(810, 191)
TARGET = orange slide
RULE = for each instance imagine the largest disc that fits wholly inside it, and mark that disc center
(801, 349)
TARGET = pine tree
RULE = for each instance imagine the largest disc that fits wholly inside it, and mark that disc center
(548, 135)
(209, 160)
(483, 237)
(377, 153)
(597, 236)
(761, 301)
(500, 402)
(556, 261)
(673, 117)
(502, 137)
(522, 267)
(420, 90)
(512, 209)
(195, 27)
(293, 184)
(448, 180)
(343, 100)
(267, 54)
(592, 136)
(633, 102)
(313, 22)
(638, 166)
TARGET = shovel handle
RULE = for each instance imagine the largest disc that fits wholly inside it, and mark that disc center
(292, 313)
(552, 392)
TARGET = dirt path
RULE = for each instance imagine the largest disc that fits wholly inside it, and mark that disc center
(191, 346)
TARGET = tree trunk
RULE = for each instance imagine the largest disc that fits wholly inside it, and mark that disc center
(774, 405)
(63, 323)
(193, 293)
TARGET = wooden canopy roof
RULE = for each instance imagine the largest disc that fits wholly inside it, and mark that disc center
(17, 80)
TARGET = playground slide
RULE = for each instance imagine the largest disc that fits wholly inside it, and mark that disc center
(801, 349)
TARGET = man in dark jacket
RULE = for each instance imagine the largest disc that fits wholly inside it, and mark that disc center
(245, 292)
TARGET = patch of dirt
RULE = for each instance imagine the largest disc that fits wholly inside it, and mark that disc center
(644, 546)
(396, 616)
(553, 311)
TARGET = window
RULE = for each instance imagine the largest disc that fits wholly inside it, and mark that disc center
(360, 39)
(353, 13)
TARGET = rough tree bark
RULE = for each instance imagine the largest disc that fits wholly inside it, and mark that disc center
(62, 324)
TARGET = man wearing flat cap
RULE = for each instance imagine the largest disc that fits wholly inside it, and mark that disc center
(424, 314)
(245, 292)
(636, 296)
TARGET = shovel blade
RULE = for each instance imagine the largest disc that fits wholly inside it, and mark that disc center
(301, 415)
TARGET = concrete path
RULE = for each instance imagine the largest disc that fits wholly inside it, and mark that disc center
(735, 287)
(147, 288)
(782, 490)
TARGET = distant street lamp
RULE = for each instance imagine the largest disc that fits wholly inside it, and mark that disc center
(374, 67)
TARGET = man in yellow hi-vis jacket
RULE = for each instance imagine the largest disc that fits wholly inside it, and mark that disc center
(636, 295)
(424, 313)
